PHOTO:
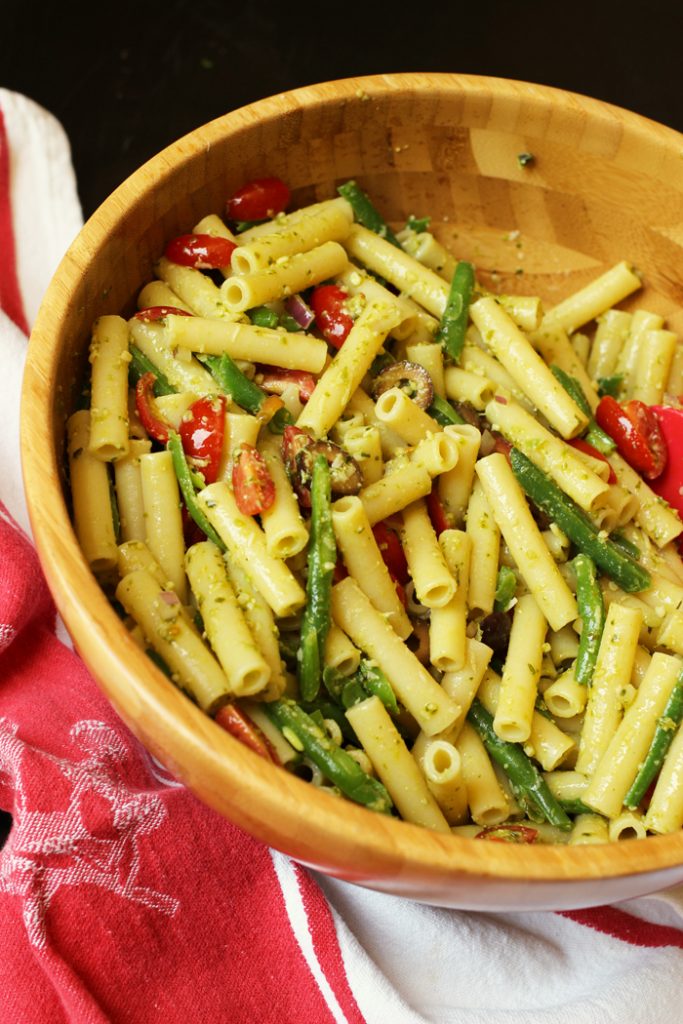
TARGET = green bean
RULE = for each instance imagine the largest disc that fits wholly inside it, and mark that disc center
(625, 545)
(140, 365)
(595, 435)
(524, 776)
(322, 557)
(506, 585)
(261, 316)
(573, 521)
(243, 391)
(667, 725)
(328, 709)
(575, 807)
(186, 484)
(353, 692)
(443, 412)
(334, 762)
(592, 612)
(418, 224)
(451, 332)
(376, 684)
(610, 385)
(366, 213)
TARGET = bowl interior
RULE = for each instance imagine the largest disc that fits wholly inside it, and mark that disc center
(603, 186)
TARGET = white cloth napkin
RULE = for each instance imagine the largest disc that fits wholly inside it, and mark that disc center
(404, 963)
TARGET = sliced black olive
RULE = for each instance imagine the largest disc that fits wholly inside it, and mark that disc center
(300, 451)
(495, 632)
(468, 413)
(409, 377)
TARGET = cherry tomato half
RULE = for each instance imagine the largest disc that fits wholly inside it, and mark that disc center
(508, 834)
(202, 252)
(154, 313)
(391, 551)
(201, 431)
(274, 379)
(261, 199)
(331, 315)
(239, 725)
(635, 429)
(670, 484)
(150, 418)
(252, 483)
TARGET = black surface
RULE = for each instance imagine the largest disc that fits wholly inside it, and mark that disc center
(129, 78)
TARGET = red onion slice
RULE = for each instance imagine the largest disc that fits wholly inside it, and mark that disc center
(299, 311)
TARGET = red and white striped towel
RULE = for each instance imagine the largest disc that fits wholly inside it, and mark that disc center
(124, 899)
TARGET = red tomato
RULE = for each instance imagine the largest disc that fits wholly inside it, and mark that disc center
(202, 430)
(153, 313)
(155, 426)
(588, 449)
(252, 483)
(274, 379)
(670, 484)
(508, 834)
(331, 316)
(203, 252)
(635, 428)
(437, 512)
(239, 725)
(392, 552)
(261, 199)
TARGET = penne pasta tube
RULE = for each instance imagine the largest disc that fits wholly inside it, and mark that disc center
(507, 343)
(612, 673)
(589, 829)
(328, 221)
(465, 386)
(394, 764)
(653, 365)
(448, 624)
(161, 502)
(410, 316)
(521, 672)
(430, 357)
(488, 803)
(158, 293)
(90, 495)
(247, 546)
(262, 627)
(557, 459)
(289, 274)
(431, 707)
(629, 745)
(593, 300)
(344, 374)
(454, 486)
(364, 562)
(245, 341)
(197, 291)
(285, 531)
(665, 811)
(434, 584)
(404, 416)
(245, 667)
(109, 359)
(484, 535)
(340, 653)
(660, 522)
(512, 515)
(170, 633)
(610, 335)
(184, 375)
(129, 491)
(441, 765)
(565, 698)
(394, 491)
(364, 444)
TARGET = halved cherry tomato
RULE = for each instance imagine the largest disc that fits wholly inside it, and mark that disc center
(261, 199)
(508, 834)
(635, 429)
(670, 484)
(202, 430)
(331, 315)
(274, 380)
(392, 552)
(203, 252)
(252, 483)
(150, 418)
(588, 449)
(437, 513)
(239, 725)
(153, 313)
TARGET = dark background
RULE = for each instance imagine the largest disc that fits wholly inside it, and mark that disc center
(126, 79)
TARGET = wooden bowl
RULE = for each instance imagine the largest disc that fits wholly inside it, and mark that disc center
(604, 185)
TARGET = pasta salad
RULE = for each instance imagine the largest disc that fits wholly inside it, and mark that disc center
(411, 540)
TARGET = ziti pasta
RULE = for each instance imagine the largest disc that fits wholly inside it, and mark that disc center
(404, 537)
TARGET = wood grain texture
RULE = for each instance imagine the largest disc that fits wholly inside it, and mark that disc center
(605, 185)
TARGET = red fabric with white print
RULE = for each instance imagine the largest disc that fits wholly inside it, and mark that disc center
(123, 899)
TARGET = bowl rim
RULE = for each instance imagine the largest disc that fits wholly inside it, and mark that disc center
(357, 842)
